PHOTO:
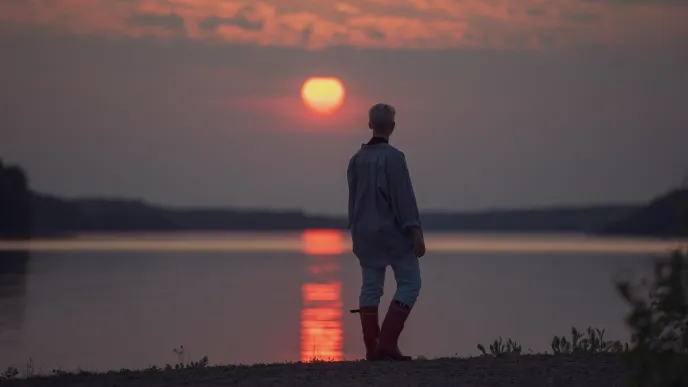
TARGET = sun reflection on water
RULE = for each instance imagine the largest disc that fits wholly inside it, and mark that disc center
(321, 316)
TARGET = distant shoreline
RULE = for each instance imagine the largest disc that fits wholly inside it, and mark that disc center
(25, 213)
(54, 217)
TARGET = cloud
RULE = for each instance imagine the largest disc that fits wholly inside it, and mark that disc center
(580, 17)
(306, 34)
(407, 24)
(170, 21)
(642, 2)
(347, 9)
(536, 12)
(375, 34)
(244, 18)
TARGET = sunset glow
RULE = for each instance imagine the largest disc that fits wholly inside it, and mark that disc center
(323, 95)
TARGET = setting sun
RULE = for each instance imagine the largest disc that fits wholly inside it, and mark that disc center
(323, 95)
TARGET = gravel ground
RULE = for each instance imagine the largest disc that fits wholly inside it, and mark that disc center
(525, 371)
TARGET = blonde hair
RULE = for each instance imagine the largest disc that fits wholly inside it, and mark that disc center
(381, 115)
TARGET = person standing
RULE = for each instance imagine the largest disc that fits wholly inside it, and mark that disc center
(385, 228)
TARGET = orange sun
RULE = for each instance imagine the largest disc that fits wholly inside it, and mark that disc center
(323, 95)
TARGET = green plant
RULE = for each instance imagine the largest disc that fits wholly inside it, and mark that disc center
(501, 349)
(659, 324)
(592, 343)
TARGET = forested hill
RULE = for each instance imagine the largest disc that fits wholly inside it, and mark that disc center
(24, 212)
(665, 216)
(54, 215)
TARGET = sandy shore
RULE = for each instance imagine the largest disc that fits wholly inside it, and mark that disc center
(526, 371)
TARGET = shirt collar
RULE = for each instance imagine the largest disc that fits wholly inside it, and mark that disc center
(377, 140)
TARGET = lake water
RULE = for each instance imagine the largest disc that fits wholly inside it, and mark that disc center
(105, 301)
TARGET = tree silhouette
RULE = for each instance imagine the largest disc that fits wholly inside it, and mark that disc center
(15, 202)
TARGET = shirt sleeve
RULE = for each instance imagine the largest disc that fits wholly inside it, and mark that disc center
(351, 178)
(401, 194)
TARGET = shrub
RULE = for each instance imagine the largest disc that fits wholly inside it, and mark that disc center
(501, 349)
(658, 323)
(592, 343)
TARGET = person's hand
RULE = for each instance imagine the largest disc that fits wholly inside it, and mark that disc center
(418, 242)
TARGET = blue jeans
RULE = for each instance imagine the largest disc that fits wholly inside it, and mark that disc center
(406, 274)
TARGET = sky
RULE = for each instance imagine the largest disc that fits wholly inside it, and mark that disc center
(500, 103)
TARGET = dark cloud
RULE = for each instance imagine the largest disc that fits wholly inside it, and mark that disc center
(548, 39)
(241, 19)
(579, 17)
(306, 35)
(536, 11)
(171, 21)
(375, 34)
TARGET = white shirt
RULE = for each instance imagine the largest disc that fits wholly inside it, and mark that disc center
(382, 204)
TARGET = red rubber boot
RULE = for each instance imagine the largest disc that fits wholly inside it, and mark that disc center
(371, 329)
(388, 345)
